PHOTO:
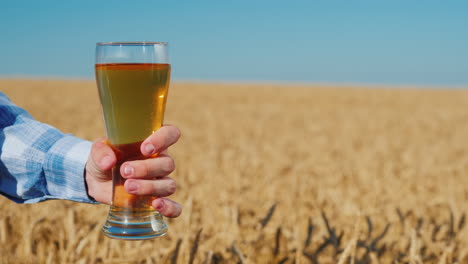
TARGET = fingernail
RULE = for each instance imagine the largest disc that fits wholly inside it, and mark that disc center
(132, 187)
(160, 205)
(105, 161)
(128, 170)
(149, 148)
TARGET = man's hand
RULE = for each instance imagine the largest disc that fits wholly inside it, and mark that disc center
(144, 177)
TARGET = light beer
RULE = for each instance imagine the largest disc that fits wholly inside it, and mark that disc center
(133, 98)
(132, 79)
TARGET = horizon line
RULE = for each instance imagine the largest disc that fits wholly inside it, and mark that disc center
(259, 82)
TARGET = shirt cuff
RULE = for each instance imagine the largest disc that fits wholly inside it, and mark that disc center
(64, 169)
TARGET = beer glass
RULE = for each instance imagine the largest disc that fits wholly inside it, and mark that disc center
(133, 80)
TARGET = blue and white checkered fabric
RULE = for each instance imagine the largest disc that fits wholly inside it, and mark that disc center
(37, 161)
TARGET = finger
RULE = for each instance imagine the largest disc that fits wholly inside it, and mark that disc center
(160, 140)
(98, 171)
(160, 188)
(167, 207)
(149, 168)
(102, 158)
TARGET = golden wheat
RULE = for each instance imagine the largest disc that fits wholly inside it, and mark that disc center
(272, 174)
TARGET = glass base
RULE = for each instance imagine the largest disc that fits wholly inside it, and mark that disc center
(127, 225)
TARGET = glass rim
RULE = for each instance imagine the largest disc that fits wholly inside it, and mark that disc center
(132, 43)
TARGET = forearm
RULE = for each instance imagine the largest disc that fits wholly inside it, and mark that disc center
(64, 169)
(37, 161)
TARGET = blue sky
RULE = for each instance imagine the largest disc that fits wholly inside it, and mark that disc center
(373, 41)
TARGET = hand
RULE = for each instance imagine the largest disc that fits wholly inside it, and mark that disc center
(144, 177)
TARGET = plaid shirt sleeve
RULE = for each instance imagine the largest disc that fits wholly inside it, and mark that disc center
(37, 161)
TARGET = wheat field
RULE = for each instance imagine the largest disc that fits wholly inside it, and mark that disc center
(272, 173)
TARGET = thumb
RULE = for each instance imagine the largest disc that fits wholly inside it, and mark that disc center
(100, 161)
